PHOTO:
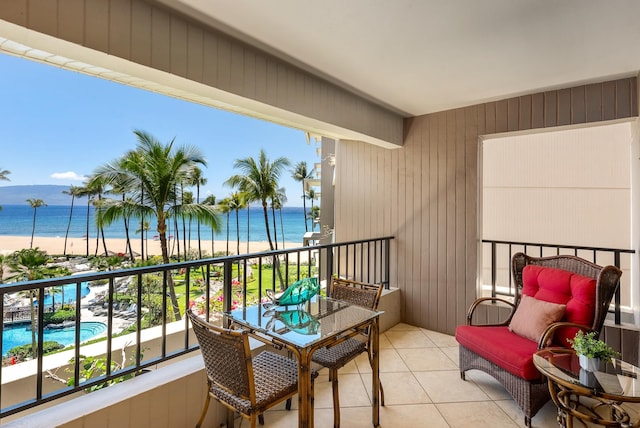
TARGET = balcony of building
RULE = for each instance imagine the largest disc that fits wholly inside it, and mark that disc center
(418, 367)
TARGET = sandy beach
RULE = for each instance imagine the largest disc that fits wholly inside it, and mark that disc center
(78, 246)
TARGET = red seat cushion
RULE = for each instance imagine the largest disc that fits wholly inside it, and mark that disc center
(559, 286)
(503, 348)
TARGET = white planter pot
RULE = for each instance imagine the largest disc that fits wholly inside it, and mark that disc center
(589, 364)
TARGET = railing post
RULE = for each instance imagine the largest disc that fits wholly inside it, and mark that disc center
(616, 298)
(329, 269)
(226, 286)
(387, 263)
(493, 269)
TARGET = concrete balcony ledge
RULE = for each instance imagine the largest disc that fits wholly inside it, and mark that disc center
(171, 396)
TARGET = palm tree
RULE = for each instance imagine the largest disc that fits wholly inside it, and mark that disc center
(143, 228)
(35, 204)
(225, 208)
(236, 203)
(211, 200)
(97, 186)
(301, 174)
(84, 190)
(246, 203)
(278, 201)
(73, 191)
(156, 170)
(198, 180)
(28, 265)
(314, 215)
(259, 180)
(312, 195)
(3, 176)
(187, 198)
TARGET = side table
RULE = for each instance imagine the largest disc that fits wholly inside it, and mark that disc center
(594, 397)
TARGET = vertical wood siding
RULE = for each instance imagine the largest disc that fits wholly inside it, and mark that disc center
(429, 191)
(153, 35)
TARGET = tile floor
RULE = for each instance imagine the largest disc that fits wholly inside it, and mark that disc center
(422, 385)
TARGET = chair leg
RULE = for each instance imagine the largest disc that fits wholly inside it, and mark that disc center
(204, 411)
(288, 404)
(333, 373)
(261, 418)
(230, 415)
(380, 382)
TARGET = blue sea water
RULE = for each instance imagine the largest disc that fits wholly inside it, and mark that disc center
(52, 221)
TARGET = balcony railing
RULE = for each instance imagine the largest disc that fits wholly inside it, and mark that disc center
(215, 284)
(497, 261)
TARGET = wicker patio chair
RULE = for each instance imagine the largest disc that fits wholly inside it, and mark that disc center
(335, 357)
(532, 394)
(235, 379)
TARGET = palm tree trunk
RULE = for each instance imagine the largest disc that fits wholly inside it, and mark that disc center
(276, 261)
(227, 233)
(104, 241)
(66, 235)
(142, 227)
(237, 232)
(162, 232)
(33, 227)
(304, 208)
(282, 228)
(88, 211)
(248, 227)
(275, 231)
(266, 224)
(34, 346)
(128, 245)
(198, 224)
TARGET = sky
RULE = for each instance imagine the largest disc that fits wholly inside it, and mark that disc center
(57, 126)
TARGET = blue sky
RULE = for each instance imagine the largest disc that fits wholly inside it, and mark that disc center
(56, 126)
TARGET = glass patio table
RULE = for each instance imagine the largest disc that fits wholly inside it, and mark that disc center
(583, 394)
(303, 329)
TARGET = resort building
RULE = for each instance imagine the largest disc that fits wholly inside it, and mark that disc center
(464, 130)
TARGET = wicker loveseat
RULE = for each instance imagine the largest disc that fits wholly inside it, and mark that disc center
(577, 289)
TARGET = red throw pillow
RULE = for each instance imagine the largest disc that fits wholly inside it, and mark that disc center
(533, 316)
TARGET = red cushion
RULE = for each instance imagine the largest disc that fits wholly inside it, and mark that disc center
(559, 286)
(500, 346)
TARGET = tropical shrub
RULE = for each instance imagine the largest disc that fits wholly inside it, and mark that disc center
(22, 352)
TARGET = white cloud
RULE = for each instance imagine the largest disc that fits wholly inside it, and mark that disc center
(69, 175)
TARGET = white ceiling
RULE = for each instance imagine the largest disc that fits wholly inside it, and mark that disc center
(421, 56)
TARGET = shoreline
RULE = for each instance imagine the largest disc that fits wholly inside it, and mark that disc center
(78, 246)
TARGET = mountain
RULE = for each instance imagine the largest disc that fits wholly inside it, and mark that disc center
(49, 193)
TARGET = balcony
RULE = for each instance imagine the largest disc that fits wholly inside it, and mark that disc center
(418, 367)
(418, 370)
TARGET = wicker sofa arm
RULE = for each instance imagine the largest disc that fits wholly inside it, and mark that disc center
(551, 329)
(480, 300)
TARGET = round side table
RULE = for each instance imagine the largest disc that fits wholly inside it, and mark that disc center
(593, 397)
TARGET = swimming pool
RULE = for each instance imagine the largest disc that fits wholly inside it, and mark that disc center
(20, 334)
(68, 292)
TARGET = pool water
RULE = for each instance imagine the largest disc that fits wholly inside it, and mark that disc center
(68, 291)
(20, 334)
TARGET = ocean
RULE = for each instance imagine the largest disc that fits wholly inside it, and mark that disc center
(52, 221)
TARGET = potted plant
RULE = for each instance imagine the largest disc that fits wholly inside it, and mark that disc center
(591, 350)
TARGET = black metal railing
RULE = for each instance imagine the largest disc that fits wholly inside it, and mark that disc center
(499, 253)
(221, 283)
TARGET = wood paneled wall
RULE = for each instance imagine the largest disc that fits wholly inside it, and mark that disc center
(150, 34)
(426, 194)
